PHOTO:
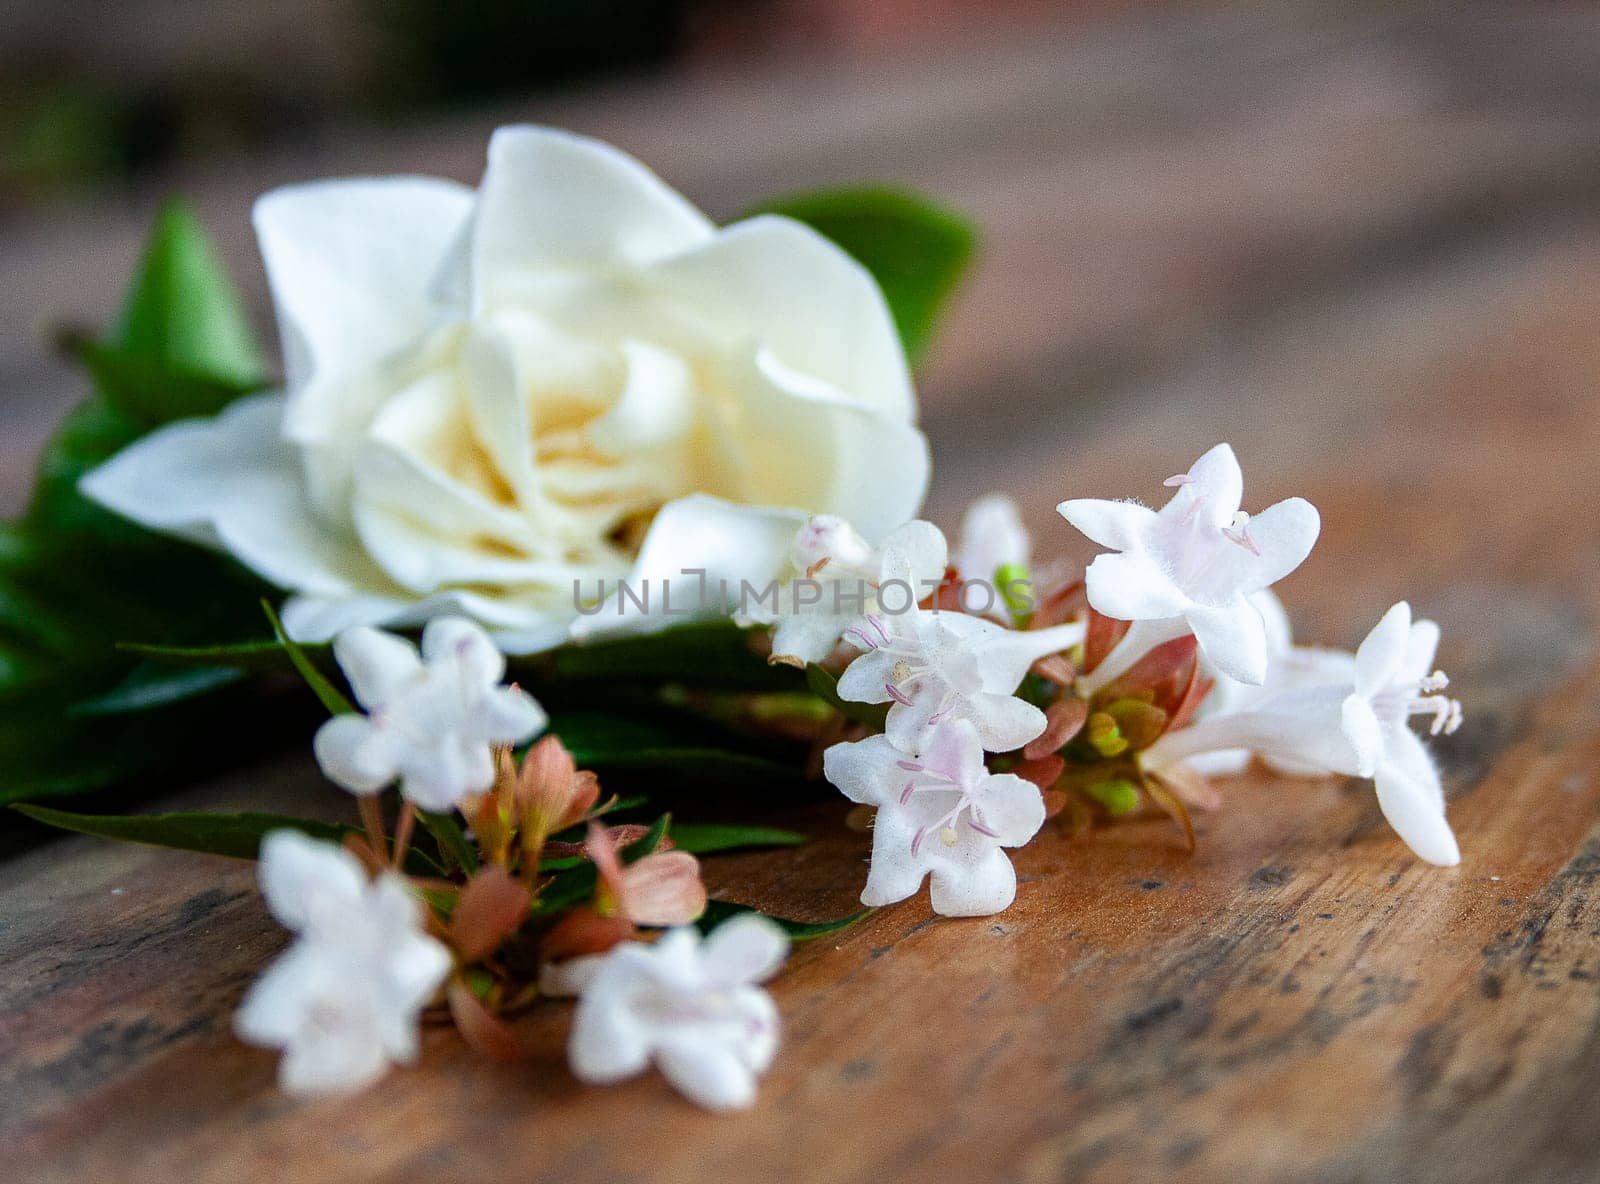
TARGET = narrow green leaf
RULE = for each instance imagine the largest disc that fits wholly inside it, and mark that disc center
(647, 843)
(330, 695)
(916, 249)
(183, 309)
(237, 836)
(715, 654)
(719, 911)
(149, 686)
(569, 888)
(258, 657)
(704, 838)
(452, 840)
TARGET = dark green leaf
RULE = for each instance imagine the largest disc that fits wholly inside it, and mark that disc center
(258, 657)
(453, 844)
(332, 698)
(183, 310)
(149, 686)
(647, 843)
(717, 654)
(237, 836)
(915, 249)
(569, 888)
(719, 911)
(703, 838)
(150, 390)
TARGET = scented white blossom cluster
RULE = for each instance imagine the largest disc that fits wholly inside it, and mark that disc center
(344, 1003)
(1200, 568)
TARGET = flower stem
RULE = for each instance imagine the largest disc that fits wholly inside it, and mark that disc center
(402, 833)
(372, 819)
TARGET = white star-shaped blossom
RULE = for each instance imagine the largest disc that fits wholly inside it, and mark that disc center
(1192, 566)
(933, 666)
(689, 1004)
(1357, 726)
(836, 581)
(432, 720)
(941, 816)
(343, 1002)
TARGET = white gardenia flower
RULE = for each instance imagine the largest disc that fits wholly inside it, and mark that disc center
(1356, 727)
(938, 665)
(343, 1002)
(837, 574)
(492, 396)
(1192, 566)
(689, 1004)
(432, 719)
(941, 815)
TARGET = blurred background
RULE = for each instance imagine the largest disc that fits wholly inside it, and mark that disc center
(1181, 203)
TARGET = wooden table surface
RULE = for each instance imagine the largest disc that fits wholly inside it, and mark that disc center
(1362, 243)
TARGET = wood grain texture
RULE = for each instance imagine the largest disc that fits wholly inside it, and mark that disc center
(1298, 1000)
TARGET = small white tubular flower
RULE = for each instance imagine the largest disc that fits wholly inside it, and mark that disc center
(837, 574)
(941, 815)
(343, 1002)
(431, 720)
(689, 1004)
(992, 537)
(1197, 560)
(1357, 727)
(933, 666)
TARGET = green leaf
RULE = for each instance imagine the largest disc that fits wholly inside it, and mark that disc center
(149, 686)
(826, 687)
(237, 836)
(715, 654)
(916, 249)
(704, 838)
(569, 888)
(332, 698)
(152, 391)
(183, 310)
(719, 911)
(258, 657)
(647, 843)
(452, 840)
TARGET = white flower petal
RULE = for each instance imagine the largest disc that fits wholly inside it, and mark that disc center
(551, 200)
(919, 549)
(1421, 650)
(464, 645)
(1412, 800)
(746, 948)
(895, 872)
(728, 542)
(992, 537)
(353, 266)
(232, 483)
(707, 1074)
(867, 678)
(378, 664)
(780, 283)
(807, 637)
(1011, 807)
(1004, 723)
(981, 888)
(1119, 526)
(1131, 586)
(859, 768)
(1232, 638)
(353, 755)
(1361, 728)
(1284, 534)
(300, 874)
(1215, 477)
